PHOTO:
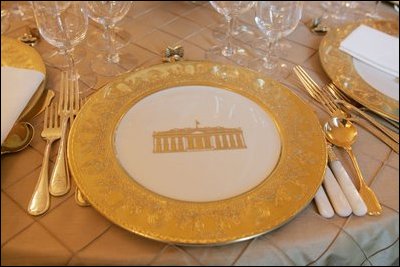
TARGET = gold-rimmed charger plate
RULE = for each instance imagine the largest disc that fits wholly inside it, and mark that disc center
(19, 55)
(339, 66)
(115, 194)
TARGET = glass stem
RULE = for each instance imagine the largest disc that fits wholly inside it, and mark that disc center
(71, 64)
(270, 58)
(113, 56)
(228, 49)
(67, 49)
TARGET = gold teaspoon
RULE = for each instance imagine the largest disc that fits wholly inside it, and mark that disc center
(342, 133)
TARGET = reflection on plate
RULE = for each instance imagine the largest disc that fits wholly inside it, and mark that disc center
(348, 74)
(151, 150)
(19, 55)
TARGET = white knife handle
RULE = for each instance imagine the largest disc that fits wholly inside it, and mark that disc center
(356, 202)
(323, 205)
(336, 195)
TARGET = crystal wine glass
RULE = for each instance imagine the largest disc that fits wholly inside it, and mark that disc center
(275, 19)
(97, 39)
(64, 24)
(230, 10)
(108, 13)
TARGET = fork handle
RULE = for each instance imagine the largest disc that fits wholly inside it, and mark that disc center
(59, 181)
(40, 200)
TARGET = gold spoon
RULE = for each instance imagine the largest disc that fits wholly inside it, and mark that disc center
(342, 133)
(19, 138)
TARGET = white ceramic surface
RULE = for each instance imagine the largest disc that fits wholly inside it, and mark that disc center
(381, 81)
(201, 175)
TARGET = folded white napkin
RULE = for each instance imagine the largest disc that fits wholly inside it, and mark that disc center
(374, 47)
(17, 88)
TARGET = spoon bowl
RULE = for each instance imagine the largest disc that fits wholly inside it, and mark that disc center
(19, 138)
(342, 133)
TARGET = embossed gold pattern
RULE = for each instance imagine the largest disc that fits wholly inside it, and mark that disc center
(19, 55)
(339, 67)
(108, 187)
(198, 139)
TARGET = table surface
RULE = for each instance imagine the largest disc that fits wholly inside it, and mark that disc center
(72, 235)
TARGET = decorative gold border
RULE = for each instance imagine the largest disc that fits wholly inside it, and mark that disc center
(19, 55)
(339, 67)
(101, 178)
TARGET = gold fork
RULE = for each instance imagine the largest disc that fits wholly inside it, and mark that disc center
(333, 109)
(40, 200)
(68, 105)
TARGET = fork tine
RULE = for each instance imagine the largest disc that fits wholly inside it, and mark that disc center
(52, 119)
(56, 116)
(322, 96)
(330, 98)
(62, 88)
(46, 115)
(310, 85)
(71, 95)
(77, 101)
(338, 94)
(67, 92)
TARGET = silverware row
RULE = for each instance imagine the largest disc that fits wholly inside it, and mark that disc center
(340, 132)
(55, 128)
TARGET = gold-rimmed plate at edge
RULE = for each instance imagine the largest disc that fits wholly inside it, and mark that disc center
(111, 191)
(19, 55)
(338, 65)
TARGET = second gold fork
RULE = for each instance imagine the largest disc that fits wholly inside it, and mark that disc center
(69, 102)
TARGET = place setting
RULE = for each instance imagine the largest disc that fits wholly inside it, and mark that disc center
(238, 148)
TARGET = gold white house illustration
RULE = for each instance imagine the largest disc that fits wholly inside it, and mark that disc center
(198, 139)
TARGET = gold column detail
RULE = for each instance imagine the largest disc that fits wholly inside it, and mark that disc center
(239, 140)
(207, 142)
(232, 141)
(218, 141)
(165, 145)
(198, 139)
(190, 142)
(173, 144)
(180, 144)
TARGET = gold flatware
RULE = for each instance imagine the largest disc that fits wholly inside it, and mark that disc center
(69, 103)
(342, 133)
(19, 138)
(341, 96)
(336, 98)
(333, 109)
(40, 200)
